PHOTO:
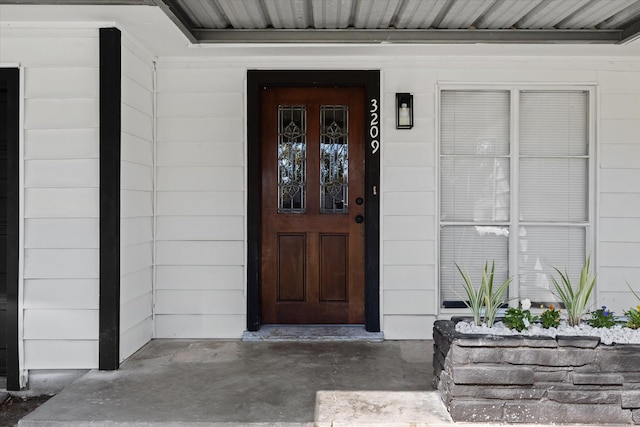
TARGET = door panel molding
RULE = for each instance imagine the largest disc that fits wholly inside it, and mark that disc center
(370, 80)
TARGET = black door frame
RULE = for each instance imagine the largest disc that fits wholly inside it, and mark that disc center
(10, 77)
(370, 80)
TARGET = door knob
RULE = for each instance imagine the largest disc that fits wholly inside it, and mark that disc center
(359, 219)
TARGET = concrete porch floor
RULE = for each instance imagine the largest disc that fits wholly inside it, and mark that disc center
(200, 383)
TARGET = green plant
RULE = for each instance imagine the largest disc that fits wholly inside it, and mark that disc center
(519, 318)
(575, 300)
(475, 297)
(550, 318)
(602, 318)
(633, 318)
(493, 299)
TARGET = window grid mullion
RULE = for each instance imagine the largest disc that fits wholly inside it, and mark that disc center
(514, 228)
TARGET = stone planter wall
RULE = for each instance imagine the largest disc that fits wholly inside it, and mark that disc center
(485, 378)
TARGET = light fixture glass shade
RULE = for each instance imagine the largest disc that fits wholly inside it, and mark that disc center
(404, 111)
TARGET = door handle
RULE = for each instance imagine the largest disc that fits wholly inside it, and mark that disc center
(359, 219)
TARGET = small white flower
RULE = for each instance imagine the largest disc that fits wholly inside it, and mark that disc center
(526, 322)
(526, 304)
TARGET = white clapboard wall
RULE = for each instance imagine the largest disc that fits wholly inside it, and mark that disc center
(201, 170)
(136, 197)
(200, 287)
(61, 194)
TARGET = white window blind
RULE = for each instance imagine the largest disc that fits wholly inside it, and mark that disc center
(470, 247)
(474, 123)
(541, 249)
(478, 174)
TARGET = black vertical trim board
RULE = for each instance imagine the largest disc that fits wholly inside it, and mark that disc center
(110, 89)
(11, 78)
(256, 81)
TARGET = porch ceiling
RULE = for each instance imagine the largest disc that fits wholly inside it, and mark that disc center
(406, 21)
(394, 21)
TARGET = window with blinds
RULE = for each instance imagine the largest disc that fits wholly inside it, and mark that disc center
(514, 188)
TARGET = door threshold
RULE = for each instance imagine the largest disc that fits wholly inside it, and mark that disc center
(306, 333)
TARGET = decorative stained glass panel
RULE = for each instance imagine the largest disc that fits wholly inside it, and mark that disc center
(292, 159)
(334, 158)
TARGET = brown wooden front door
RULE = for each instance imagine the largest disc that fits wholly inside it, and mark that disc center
(312, 254)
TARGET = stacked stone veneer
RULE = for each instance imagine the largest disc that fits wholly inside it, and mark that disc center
(515, 379)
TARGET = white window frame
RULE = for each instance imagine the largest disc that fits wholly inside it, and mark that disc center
(589, 225)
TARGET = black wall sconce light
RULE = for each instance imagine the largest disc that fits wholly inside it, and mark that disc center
(404, 111)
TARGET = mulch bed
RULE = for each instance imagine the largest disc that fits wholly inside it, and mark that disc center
(16, 407)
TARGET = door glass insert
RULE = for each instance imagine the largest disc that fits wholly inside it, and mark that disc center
(292, 159)
(334, 158)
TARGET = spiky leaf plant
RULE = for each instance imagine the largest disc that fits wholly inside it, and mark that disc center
(493, 299)
(475, 297)
(575, 300)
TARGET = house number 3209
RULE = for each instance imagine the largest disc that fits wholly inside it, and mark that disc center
(374, 126)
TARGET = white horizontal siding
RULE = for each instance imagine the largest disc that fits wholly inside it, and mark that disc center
(69, 233)
(135, 311)
(61, 294)
(136, 203)
(62, 202)
(69, 83)
(186, 79)
(409, 203)
(409, 301)
(409, 252)
(201, 209)
(210, 277)
(619, 131)
(414, 178)
(413, 277)
(40, 144)
(176, 203)
(409, 154)
(200, 326)
(200, 154)
(407, 227)
(201, 170)
(202, 104)
(199, 253)
(133, 338)
(199, 302)
(61, 193)
(136, 150)
(136, 123)
(215, 228)
(61, 354)
(136, 284)
(49, 48)
(61, 263)
(136, 197)
(194, 178)
(74, 173)
(619, 167)
(619, 156)
(65, 113)
(401, 327)
(60, 324)
(136, 230)
(200, 129)
(136, 257)
(611, 203)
